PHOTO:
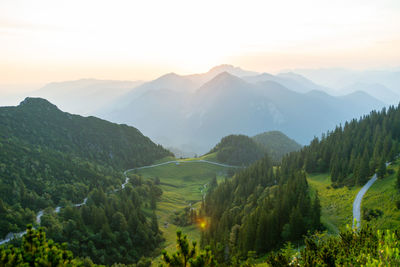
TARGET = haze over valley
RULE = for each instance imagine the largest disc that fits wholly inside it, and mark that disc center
(190, 113)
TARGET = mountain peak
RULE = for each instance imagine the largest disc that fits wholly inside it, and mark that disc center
(224, 76)
(223, 67)
(37, 102)
(237, 71)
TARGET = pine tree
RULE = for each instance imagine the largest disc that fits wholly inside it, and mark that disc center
(185, 255)
(316, 211)
(398, 179)
(382, 168)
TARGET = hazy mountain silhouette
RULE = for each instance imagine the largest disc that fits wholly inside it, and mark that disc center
(176, 114)
(367, 81)
(84, 96)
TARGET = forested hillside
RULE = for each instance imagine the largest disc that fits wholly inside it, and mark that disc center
(353, 152)
(238, 150)
(110, 227)
(258, 209)
(49, 158)
(264, 205)
(38, 122)
(277, 144)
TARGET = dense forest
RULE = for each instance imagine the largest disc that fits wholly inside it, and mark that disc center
(36, 250)
(50, 158)
(33, 179)
(353, 152)
(111, 227)
(258, 209)
(238, 150)
(38, 122)
(277, 144)
(264, 205)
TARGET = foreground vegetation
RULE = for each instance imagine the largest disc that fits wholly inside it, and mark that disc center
(353, 247)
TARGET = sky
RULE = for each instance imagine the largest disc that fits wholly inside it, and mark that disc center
(51, 40)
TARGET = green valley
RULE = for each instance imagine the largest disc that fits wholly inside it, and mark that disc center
(183, 185)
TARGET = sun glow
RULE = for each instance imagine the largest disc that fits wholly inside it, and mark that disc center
(202, 223)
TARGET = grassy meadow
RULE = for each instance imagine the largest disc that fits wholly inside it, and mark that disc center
(182, 184)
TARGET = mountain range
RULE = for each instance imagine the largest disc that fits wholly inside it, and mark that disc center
(173, 111)
(191, 113)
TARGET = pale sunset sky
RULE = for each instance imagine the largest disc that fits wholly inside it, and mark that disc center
(50, 40)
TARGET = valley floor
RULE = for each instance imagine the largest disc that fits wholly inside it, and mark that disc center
(183, 184)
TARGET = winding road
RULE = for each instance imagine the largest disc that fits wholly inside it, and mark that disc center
(358, 199)
(39, 215)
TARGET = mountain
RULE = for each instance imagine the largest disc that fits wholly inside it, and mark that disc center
(238, 150)
(376, 90)
(84, 96)
(228, 105)
(290, 80)
(38, 122)
(49, 157)
(338, 79)
(276, 143)
(192, 112)
(263, 206)
(176, 84)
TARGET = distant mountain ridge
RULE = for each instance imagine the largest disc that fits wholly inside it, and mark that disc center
(84, 96)
(194, 118)
(382, 84)
(192, 112)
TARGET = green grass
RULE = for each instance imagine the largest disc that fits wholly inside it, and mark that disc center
(383, 195)
(181, 184)
(337, 204)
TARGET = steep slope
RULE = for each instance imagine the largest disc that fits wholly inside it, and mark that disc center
(38, 122)
(276, 143)
(357, 150)
(48, 157)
